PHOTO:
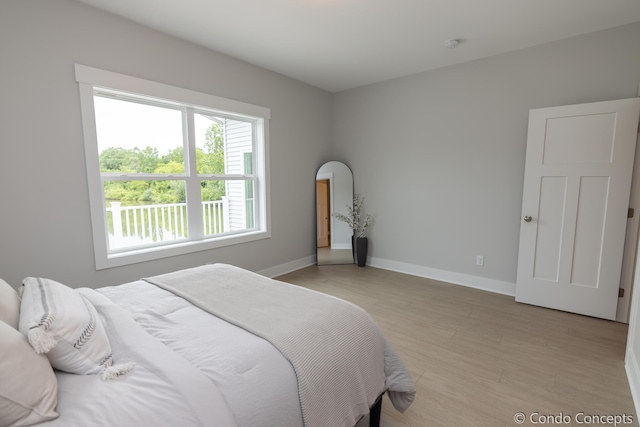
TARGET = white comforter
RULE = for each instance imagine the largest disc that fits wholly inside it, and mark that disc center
(163, 389)
(256, 381)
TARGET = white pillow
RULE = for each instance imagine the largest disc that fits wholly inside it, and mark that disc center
(60, 322)
(28, 386)
(9, 304)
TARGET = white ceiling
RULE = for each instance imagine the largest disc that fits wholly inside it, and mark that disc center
(342, 44)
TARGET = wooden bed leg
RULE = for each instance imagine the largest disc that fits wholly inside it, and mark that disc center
(374, 413)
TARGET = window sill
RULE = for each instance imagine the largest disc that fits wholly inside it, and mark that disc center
(110, 260)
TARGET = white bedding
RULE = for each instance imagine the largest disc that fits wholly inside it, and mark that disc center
(163, 389)
(192, 369)
(256, 381)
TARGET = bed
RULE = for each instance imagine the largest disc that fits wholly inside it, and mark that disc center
(214, 345)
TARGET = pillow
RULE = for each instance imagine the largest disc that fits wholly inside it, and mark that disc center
(28, 386)
(9, 304)
(60, 322)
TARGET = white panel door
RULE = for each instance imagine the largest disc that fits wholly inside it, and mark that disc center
(577, 182)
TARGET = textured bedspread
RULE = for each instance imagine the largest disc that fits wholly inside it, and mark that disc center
(341, 360)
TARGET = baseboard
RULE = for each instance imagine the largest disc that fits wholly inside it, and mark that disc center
(633, 376)
(483, 283)
(341, 246)
(288, 267)
(491, 285)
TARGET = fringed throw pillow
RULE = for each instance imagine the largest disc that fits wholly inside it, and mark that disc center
(65, 326)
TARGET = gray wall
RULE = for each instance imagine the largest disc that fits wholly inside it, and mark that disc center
(439, 156)
(45, 225)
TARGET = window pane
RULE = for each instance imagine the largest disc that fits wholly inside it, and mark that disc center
(248, 191)
(249, 205)
(227, 206)
(143, 213)
(138, 138)
(215, 208)
(239, 143)
(209, 131)
(221, 144)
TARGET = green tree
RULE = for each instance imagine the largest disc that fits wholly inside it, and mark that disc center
(175, 155)
(145, 161)
(209, 160)
(112, 159)
(129, 160)
(169, 191)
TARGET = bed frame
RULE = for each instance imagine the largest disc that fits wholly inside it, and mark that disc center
(374, 412)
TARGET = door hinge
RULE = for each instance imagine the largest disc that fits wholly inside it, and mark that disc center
(630, 213)
(620, 293)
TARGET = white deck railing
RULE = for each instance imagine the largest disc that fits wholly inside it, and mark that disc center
(135, 225)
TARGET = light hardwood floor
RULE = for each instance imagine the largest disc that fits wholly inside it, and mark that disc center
(479, 358)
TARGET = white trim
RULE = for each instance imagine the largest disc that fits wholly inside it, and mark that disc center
(262, 167)
(629, 256)
(166, 251)
(483, 283)
(142, 87)
(468, 280)
(288, 267)
(341, 246)
(633, 376)
(631, 361)
(96, 202)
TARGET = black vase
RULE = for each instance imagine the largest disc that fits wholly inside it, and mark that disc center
(353, 248)
(362, 245)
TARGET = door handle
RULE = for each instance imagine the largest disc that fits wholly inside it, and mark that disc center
(527, 218)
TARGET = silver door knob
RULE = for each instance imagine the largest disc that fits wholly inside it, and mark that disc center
(527, 218)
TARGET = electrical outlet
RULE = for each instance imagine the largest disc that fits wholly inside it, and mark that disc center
(480, 260)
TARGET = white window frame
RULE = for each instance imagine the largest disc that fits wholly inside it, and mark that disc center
(89, 79)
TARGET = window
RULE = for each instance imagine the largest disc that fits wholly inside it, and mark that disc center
(248, 191)
(170, 170)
